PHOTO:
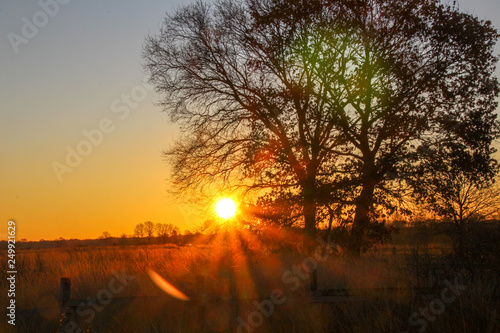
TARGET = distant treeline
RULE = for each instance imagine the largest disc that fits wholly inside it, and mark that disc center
(123, 240)
(421, 232)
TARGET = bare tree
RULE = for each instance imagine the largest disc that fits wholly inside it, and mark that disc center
(105, 235)
(175, 231)
(149, 229)
(319, 100)
(458, 185)
(139, 230)
(161, 230)
(164, 230)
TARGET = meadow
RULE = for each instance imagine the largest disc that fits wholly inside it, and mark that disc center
(238, 268)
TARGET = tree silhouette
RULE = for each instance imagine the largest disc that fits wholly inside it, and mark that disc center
(139, 230)
(105, 235)
(458, 183)
(324, 101)
(149, 230)
(163, 230)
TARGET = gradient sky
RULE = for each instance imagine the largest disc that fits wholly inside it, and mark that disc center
(68, 77)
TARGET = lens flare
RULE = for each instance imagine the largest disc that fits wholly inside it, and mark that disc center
(166, 286)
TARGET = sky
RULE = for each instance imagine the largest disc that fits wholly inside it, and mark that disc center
(81, 138)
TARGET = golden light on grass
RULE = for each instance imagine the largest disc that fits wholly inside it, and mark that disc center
(225, 208)
(166, 286)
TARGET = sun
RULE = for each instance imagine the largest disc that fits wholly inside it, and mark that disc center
(225, 208)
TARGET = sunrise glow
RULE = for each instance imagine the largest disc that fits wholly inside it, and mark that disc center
(225, 208)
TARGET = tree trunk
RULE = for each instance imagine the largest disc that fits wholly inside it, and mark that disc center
(309, 209)
(461, 239)
(361, 219)
(309, 195)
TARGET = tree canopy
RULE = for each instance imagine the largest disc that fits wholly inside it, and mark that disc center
(322, 102)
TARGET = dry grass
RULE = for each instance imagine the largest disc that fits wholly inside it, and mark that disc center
(239, 268)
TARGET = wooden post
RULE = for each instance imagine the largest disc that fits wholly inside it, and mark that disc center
(64, 297)
(65, 292)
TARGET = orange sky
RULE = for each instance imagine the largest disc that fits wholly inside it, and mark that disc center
(79, 71)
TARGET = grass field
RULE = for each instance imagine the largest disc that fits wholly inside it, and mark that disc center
(240, 266)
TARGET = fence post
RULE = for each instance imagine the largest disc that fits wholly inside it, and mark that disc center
(66, 312)
(65, 292)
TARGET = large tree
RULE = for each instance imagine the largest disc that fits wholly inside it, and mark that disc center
(413, 68)
(319, 100)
